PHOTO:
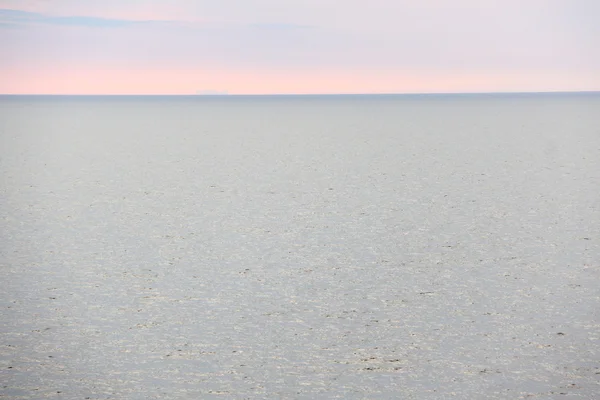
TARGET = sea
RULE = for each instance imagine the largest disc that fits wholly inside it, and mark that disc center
(300, 247)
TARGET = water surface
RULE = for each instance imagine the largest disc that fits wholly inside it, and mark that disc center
(416, 247)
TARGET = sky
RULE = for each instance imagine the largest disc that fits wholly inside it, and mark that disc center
(298, 46)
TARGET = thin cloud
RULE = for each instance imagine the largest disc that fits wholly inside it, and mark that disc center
(14, 18)
(10, 17)
(280, 26)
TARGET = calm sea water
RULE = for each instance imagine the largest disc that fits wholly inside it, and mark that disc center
(415, 247)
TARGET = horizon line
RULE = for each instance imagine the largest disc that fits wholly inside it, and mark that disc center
(299, 94)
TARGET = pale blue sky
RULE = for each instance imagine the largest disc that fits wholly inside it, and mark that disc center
(54, 46)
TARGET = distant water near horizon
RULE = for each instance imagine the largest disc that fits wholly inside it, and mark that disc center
(336, 96)
(300, 246)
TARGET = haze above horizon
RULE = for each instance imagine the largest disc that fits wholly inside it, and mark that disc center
(313, 47)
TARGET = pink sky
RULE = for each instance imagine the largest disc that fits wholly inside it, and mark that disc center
(309, 46)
